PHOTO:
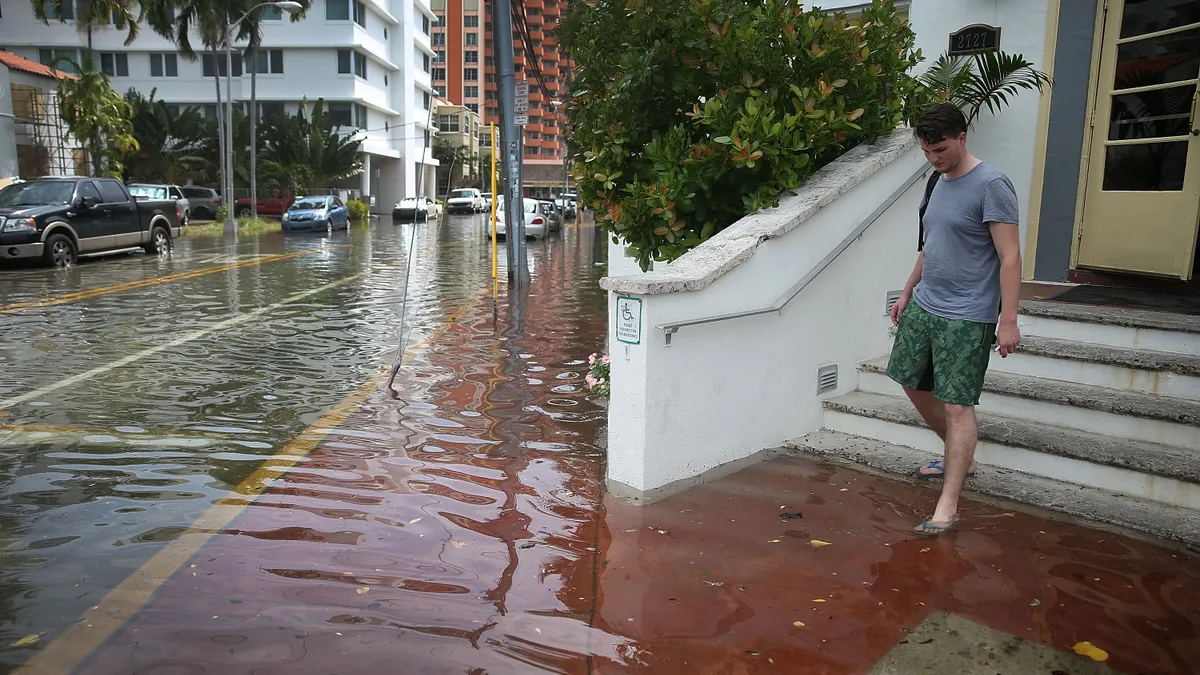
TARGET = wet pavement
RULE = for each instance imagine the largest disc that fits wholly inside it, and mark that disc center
(461, 524)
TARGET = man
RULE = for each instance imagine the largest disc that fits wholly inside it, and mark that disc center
(960, 299)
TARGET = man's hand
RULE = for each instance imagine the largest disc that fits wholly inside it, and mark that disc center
(1009, 337)
(898, 308)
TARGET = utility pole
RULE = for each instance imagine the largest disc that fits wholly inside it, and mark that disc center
(514, 217)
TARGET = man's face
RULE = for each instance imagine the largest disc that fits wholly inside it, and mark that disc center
(945, 154)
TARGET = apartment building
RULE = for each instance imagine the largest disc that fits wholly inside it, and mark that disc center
(465, 73)
(371, 61)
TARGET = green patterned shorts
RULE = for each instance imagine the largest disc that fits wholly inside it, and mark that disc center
(946, 356)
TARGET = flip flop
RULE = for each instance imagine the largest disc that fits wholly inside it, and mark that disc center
(933, 528)
(935, 464)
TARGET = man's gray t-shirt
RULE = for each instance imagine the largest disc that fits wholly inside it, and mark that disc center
(960, 278)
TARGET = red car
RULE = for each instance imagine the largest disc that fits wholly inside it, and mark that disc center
(276, 203)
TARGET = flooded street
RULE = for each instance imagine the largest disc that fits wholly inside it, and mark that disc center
(202, 473)
(130, 409)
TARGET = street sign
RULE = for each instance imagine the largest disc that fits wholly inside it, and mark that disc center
(520, 119)
(629, 320)
(521, 97)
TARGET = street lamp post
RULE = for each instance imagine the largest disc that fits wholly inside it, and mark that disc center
(291, 7)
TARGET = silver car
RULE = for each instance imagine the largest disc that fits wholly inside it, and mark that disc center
(204, 202)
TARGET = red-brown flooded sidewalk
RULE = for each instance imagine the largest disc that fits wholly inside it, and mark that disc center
(462, 528)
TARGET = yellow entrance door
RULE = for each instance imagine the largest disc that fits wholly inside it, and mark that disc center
(1141, 205)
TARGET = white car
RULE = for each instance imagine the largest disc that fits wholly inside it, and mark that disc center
(465, 200)
(535, 222)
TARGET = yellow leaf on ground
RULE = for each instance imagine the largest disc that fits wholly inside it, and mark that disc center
(1091, 651)
(414, 521)
(819, 600)
(798, 624)
(817, 543)
(457, 544)
(538, 629)
(26, 641)
(774, 541)
(363, 590)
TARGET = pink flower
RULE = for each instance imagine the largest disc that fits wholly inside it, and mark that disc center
(590, 380)
(606, 359)
(592, 359)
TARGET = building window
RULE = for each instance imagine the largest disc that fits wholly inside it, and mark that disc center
(425, 24)
(533, 135)
(439, 40)
(385, 79)
(471, 21)
(549, 122)
(439, 74)
(270, 109)
(490, 94)
(473, 107)
(337, 10)
(271, 13)
(341, 113)
(425, 62)
(448, 123)
(489, 77)
(167, 65)
(440, 21)
(472, 39)
(360, 116)
(489, 61)
(269, 61)
(61, 59)
(350, 61)
(439, 57)
(549, 152)
(471, 74)
(549, 137)
(360, 14)
(531, 150)
(471, 56)
(114, 65)
(208, 64)
(68, 12)
(470, 92)
(440, 90)
(427, 98)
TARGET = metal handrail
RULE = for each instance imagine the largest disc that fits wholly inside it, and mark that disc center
(776, 307)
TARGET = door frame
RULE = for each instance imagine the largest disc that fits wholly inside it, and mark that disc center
(1089, 129)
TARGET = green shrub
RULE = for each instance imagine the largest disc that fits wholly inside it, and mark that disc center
(358, 210)
(685, 117)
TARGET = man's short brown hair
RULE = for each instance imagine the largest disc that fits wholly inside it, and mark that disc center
(939, 122)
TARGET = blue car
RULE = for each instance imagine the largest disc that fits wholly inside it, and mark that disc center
(316, 214)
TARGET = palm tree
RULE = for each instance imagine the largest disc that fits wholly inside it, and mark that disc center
(172, 147)
(308, 147)
(986, 79)
(92, 14)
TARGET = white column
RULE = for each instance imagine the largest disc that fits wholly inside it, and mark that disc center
(366, 175)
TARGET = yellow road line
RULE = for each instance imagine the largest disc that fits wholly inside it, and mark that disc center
(75, 644)
(154, 281)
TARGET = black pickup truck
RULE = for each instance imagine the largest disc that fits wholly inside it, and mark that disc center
(59, 218)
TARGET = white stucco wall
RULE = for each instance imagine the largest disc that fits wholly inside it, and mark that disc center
(1007, 140)
(723, 391)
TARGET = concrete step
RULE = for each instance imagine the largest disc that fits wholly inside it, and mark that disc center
(1111, 326)
(1155, 518)
(1162, 473)
(1113, 412)
(1149, 372)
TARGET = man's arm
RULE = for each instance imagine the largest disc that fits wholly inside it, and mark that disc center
(906, 295)
(1008, 245)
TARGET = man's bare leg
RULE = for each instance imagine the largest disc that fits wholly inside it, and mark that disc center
(933, 412)
(962, 431)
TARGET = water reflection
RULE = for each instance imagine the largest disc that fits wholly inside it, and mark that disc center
(453, 518)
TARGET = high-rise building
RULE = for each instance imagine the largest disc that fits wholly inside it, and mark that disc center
(465, 73)
(371, 61)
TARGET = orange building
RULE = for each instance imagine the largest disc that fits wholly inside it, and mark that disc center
(464, 73)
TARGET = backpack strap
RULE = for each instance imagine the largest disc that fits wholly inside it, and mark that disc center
(929, 185)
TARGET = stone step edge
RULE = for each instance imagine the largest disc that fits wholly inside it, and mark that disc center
(1138, 359)
(1103, 399)
(1141, 456)
(1089, 503)
(1112, 316)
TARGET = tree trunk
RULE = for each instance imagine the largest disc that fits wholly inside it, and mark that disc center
(254, 130)
(228, 198)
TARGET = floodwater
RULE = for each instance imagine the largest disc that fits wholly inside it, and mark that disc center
(202, 474)
(176, 392)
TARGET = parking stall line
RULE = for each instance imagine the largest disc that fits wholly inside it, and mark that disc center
(194, 335)
(154, 281)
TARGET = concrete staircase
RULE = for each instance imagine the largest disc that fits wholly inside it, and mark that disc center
(1097, 415)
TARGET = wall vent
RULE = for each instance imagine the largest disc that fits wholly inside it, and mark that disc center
(892, 298)
(827, 379)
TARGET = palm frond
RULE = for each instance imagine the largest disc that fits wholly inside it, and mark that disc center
(997, 77)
